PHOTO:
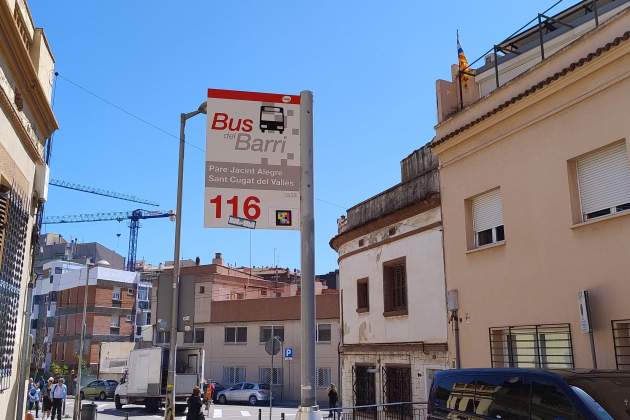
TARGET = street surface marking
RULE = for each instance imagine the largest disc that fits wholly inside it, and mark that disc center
(217, 413)
(246, 414)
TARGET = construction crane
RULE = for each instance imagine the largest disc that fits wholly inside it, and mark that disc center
(134, 218)
(100, 191)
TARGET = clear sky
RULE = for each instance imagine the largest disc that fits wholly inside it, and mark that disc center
(372, 66)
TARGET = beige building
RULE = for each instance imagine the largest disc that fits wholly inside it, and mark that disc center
(391, 273)
(26, 123)
(234, 342)
(535, 183)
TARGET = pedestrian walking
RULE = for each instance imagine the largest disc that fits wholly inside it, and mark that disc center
(208, 395)
(59, 393)
(47, 398)
(333, 397)
(34, 396)
(194, 405)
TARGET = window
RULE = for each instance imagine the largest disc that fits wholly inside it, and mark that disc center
(397, 383)
(130, 292)
(63, 351)
(116, 294)
(235, 334)
(395, 287)
(233, 375)
(323, 377)
(143, 293)
(549, 402)
(202, 290)
(264, 375)
(323, 333)
(603, 178)
(546, 346)
(189, 336)
(361, 242)
(621, 343)
(502, 396)
(199, 335)
(487, 218)
(267, 332)
(114, 328)
(51, 279)
(363, 295)
(58, 270)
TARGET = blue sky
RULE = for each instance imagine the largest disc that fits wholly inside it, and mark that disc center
(371, 65)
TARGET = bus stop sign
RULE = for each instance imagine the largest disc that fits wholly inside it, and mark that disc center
(252, 159)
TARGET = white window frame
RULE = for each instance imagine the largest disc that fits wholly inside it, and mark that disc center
(114, 325)
(323, 384)
(264, 372)
(317, 333)
(488, 196)
(608, 167)
(273, 332)
(116, 294)
(235, 327)
(232, 374)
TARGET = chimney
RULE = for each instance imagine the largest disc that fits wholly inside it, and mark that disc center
(218, 259)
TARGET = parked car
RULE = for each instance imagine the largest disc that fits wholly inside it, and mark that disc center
(529, 393)
(244, 391)
(99, 389)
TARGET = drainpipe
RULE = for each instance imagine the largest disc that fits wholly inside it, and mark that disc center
(455, 320)
(340, 345)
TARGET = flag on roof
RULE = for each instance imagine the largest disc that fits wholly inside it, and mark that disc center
(462, 60)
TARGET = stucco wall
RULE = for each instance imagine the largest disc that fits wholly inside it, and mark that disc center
(535, 277)
(426, 319)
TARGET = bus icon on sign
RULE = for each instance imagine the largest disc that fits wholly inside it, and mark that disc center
(271, 118)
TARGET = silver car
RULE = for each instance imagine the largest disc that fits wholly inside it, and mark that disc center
(244, 391)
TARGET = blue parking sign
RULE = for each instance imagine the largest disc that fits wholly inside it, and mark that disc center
(288, 353)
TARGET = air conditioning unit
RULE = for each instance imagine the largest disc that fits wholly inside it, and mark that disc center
(40, 186)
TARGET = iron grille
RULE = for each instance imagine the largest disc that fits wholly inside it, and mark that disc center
(364, 386)
(13, 227)
(540, 346)
(621, 342)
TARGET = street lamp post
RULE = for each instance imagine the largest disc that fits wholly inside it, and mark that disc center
(169, 412)
(77, 397)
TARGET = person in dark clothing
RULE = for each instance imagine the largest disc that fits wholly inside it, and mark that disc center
(194, 405)
(333, 397)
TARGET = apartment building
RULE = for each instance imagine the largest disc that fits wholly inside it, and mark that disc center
(203, 285)
(535, 183)
(114, 297)
(26, 123)
(391, 278)
(235, 336)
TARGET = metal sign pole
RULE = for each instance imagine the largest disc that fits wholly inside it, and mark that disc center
(308, 406)
(271, 379)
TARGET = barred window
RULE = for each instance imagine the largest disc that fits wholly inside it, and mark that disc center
(233, 375)
(546, 346)
(13, 226)
(323, 377)
(264, 375)
(621, 343)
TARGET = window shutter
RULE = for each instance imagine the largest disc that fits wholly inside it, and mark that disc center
(604, 178)
(487, 211)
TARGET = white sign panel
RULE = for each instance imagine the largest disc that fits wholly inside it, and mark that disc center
(585, 320)
(252, 159)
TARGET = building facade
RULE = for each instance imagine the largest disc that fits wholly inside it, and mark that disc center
(234, 341)
(113, 302)
(535, 182)
(26, 123)
(392, 283)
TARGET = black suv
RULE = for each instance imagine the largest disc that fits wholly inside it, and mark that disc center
(524, 394)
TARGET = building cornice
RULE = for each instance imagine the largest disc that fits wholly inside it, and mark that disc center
(393, 347)
(427, 204)
(25, 74)
(437, 144)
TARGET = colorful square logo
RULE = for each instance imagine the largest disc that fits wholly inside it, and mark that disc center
(283, 218)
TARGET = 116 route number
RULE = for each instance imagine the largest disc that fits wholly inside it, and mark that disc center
(251, 206)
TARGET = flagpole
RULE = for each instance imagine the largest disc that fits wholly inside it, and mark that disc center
(459, 74)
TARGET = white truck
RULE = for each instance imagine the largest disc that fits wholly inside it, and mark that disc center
(147, 373)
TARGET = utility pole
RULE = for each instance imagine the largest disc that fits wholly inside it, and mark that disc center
(169, 412)
(308, 408)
